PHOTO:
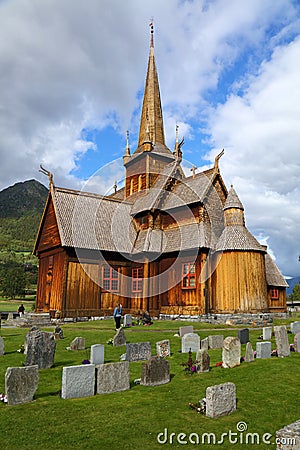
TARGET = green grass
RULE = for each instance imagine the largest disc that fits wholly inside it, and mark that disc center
(267, 394)
(12, 305)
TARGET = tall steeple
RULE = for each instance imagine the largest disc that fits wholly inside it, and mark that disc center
(151, 126)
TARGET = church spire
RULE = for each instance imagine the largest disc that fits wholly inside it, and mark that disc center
(151, 126)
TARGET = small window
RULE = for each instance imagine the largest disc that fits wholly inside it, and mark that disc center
(188, 276)
(131, 186)
(110, 279)
(140, 182)
(137, 279)
(274, 294)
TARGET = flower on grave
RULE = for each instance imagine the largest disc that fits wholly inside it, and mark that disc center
(219, 364)
(292, 347)
(86, 361)
(274, 352)
(190, 366)
(200, 407)
(21, 349)
(110, 341)
(3, 398)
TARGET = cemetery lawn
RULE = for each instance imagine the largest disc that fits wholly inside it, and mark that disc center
(267, 396)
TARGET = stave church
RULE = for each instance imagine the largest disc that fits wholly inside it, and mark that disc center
(165, 242)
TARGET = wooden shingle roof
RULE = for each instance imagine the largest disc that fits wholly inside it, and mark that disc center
(273, 274)
(238, 237)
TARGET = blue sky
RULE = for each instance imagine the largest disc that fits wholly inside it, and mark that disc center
(72, 80)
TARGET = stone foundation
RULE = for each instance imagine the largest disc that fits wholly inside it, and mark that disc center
(261, 319)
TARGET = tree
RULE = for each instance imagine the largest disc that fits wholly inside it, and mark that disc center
(12, 279)
(295, 295)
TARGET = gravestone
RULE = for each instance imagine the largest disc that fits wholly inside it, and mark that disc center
(1, 346)
(215, 341)
(282, 341)
(289, 437)
(10, 316)
(295, 327)
(78, 343)
(97, 354)
(78, 381)
(156, 371)
(243, 335)
(204, 344)
(119, 338)
(203, 361)
(112, 377)
(190, 341)
(297, 342)
(163, 348)
(249, 355)
(40, 349)
(231, 352)
(21, 384)
(127, 320)
(220, 400)
(263, 349)
(185, 330)
(267, 333)
(139, 351)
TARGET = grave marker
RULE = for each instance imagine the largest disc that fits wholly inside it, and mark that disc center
(220, 400)
(295, 327)
(263, 349)
(127, 320)
(203, 361)
(78, 343)
(185, 330)
(231, 352)
(1, 346)
(156, 371)
(112, 377)
(163, 348)
(190, 341)
(215, 341)
(139, 351)
(21, 384)
(40, 349)
(119, 338)
(97, 354)
(297, 342)
(249, 355)
(243, 335)
(267, 333)
(78, 381)
(282, 341)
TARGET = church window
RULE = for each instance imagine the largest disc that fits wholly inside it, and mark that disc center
(274, 294)
(137, 279)
(110, 279)
(188, 276)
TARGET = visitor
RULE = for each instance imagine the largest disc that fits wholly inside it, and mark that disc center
(146, 318)
(118, 315)
(21, 310)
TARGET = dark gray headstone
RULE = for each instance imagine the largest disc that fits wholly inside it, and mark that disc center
(203, 361)
(220, 400)
(21, 384)
(156, 371)
(231, 352)
(112, 377)
(243, 335)
(119, 338)
(40, 349)
(139, 351)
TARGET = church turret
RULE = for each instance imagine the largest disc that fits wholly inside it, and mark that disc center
(233, 209)
(127, 155)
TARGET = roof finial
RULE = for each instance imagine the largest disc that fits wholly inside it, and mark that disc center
(115, 187)
(177, 128)
(127, 150)
(151, 33)
(193, 170)
(49, 175)
(216, 165)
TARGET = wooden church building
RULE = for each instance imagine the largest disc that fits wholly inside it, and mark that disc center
(165, 242)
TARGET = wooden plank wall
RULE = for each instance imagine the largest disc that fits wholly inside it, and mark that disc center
(239, 283)
(49, 235)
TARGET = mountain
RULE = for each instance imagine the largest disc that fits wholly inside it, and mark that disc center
(21, 208)
(291, 282)
(21, 198)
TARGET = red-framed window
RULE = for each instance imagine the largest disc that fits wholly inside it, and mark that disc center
(274, 294)
(188, 276)
(137, 279)
(110, 279)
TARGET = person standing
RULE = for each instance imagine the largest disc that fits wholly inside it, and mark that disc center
(21, 310)
(118, 315)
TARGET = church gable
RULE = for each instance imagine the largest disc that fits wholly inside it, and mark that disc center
(48, 236)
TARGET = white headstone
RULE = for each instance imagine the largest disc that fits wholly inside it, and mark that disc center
(263, 349)
(231, 352)
(97, 354)
(163, 348)
(282, 341)
(267, 333)
(1, 346)
(78, 381)
(220, 400)
(190, 341)
(295, 327)
(127, 320)
(297, 342)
